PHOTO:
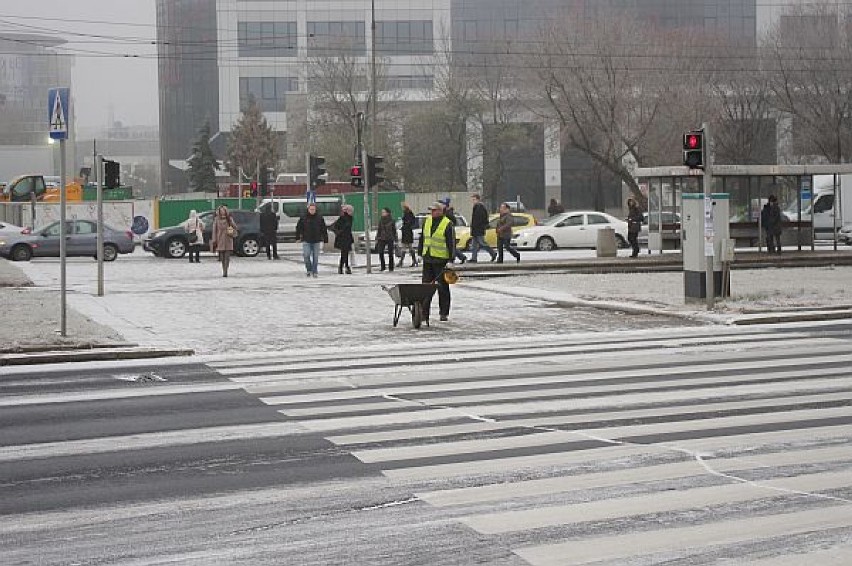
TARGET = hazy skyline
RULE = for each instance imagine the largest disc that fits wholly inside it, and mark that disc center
(99, 33)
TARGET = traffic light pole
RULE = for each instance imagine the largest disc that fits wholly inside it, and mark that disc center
(708, 218)
(99, 165)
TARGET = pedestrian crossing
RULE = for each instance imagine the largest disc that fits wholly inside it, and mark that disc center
(670, 446)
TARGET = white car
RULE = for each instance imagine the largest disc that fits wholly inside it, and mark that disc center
(577, 229)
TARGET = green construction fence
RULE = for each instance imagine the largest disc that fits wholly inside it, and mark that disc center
(172, 212)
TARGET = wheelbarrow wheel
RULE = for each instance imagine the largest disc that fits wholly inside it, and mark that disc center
(417, 314)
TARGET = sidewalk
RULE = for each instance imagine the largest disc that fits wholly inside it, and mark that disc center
(757, 295)
(30, 318)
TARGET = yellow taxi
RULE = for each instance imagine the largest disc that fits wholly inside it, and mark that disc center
(520, 220)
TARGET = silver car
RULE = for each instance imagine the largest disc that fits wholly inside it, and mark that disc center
(81, 240)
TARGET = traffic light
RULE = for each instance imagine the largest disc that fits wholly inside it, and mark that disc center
(693, 149)
(316, 170)
(375, 170)
(253, 192)
(357, 174)
(264, 181)
(112, 174)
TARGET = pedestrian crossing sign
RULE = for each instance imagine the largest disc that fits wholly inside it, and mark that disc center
(58, 112)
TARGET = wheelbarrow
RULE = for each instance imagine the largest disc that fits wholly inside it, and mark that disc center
(410, 296)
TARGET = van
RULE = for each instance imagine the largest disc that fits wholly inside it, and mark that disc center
(289, 210)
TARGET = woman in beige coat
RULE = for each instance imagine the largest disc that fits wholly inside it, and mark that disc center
(224, 232)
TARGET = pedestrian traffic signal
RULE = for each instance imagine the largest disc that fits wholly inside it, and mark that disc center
(357, 174)
(264, 181)
(375, 170)
(112, 174)
(693, 149)
(317, 171)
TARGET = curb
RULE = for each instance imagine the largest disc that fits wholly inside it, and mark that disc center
(39, 348)
(792, 317)
(90, 355)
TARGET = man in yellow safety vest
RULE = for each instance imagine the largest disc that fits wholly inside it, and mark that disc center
(437, 246)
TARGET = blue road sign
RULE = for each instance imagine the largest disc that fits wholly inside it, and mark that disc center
(59, 112)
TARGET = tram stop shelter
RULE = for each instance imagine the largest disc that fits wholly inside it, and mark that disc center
(748, 187)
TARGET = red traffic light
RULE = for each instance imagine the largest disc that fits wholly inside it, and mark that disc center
(355, 171)
(693, 141)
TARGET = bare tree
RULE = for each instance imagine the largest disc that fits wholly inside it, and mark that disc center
(605, 98)
(807, 67)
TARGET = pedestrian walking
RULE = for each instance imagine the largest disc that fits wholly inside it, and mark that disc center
(436, 247)
(386, 238)
(478, 225)
(343, 239)
(450, 213)
(312, 232)
(770, 218)
(225, 230)
(554, 208)
(409, 224)
(634, 225)
(269, 230)
(194, 228)
(504, 234)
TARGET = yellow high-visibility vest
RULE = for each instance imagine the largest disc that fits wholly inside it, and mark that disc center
(435, 245)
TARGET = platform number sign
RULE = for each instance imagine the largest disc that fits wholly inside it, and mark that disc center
(59, 112)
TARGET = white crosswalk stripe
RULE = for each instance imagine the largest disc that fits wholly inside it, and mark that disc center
(622, 449)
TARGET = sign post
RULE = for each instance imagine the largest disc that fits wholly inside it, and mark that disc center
(709, 228)
(58, 120)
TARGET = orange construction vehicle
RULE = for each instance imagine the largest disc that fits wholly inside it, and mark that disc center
(21, 189)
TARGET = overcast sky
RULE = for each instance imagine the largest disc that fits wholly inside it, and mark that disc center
(127, 85)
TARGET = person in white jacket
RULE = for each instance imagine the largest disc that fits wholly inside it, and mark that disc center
(194, 235)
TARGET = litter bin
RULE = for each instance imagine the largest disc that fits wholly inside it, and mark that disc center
(606, 243)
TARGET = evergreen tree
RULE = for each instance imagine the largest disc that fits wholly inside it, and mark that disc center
(202, 164)
(253, 142)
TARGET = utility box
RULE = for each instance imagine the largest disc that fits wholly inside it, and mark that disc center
(705, 229)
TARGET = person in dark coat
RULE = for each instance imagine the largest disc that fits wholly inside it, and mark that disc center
(634, 225)
(555, 208)
(504, 234)
(343, 239)
(313, 233)
(436, 247)
(386, 238)
(770, 218)
(409, 224)
(269, 230)
(478, 225)
(450, 213)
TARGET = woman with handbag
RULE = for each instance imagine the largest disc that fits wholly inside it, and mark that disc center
(224, 233)
(194, 228)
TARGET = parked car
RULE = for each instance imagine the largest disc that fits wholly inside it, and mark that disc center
(519, 222)
(81, 240)
(290, 210)
(172, 242)
(6, 228)
(578, 229)
(461, 222)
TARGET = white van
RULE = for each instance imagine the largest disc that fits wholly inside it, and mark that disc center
(290, 209)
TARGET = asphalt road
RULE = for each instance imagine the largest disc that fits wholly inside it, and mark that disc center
(675, 446)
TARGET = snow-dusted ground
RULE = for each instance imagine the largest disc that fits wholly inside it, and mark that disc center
(751, 289)
(270, 305)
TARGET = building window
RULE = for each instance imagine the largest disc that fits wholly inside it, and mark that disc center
(399, 82)
(270, 93)
(267, 39)
(328, 39)
(404, 37)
